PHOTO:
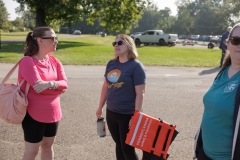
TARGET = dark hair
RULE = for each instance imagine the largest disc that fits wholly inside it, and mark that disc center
(31, 46)
(227, 60)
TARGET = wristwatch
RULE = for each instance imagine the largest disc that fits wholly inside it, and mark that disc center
(51, 84)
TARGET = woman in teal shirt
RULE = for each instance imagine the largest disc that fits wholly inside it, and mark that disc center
(218, 135)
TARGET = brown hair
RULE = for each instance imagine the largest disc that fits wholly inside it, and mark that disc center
(132, 50)
(31, 46)
(227, 60)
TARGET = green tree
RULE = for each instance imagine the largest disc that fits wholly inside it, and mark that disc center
(153, 18)
(148, 21)
(18, 24)
(86, 28)
(114, 14)
(4, 24)
(205, 16)
(235, 5)
(27, 16)
(185, 21)
(164, 22)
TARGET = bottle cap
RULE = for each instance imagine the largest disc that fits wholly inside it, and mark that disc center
(100, 119)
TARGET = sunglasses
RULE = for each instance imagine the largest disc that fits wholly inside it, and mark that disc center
(54, 39)
(119, 43)
(235, 40)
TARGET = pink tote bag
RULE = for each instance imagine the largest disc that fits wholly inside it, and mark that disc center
(13, 102)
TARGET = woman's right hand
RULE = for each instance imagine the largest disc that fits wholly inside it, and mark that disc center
(99, 113)
(41, 86)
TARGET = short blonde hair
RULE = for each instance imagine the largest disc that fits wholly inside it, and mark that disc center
(132, 50)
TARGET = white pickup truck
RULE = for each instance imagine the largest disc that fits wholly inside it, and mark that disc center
(155, 37)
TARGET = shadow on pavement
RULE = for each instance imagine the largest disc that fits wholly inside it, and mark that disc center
(210, 71)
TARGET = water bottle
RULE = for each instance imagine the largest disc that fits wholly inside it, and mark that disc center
(101, 128)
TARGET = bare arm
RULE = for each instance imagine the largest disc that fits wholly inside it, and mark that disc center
(102, 99)
(60, 84)
(140, 90)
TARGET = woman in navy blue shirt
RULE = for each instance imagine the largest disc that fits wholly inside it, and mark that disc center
(123, 91)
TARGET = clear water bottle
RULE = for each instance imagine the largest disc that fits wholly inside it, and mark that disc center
(101, 128)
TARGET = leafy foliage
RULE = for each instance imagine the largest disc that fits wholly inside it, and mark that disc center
(203, 17)
(27, 17)
(114, 14)
(4, 24)
(153, 18)
(206, 16)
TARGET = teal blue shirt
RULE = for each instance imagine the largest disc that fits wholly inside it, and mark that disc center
(217, 122)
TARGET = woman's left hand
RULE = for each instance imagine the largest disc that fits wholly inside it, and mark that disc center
(41, 86)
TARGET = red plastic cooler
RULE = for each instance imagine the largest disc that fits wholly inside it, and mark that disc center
(150, 134)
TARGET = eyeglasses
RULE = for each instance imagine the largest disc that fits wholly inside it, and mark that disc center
(118, 43)
(54, 39)
(235, 40)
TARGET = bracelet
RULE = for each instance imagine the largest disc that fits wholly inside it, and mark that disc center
(51, 84)
(55, 85)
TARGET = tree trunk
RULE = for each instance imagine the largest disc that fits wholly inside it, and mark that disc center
(40, 17)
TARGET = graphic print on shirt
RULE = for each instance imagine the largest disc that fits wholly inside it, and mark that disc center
(113, 77)
(231, 86)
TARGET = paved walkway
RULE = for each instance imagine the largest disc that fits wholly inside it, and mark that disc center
(173, 94)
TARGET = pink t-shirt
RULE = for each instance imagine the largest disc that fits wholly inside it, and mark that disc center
(44, 106)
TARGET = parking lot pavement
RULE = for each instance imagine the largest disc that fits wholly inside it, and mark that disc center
(198, 44)
(173, 94)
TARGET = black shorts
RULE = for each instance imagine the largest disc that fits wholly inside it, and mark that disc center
(34, 131)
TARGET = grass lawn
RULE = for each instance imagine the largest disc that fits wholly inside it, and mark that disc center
(97, 50)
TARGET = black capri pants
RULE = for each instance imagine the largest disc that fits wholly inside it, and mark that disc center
(34, 131)
(118, 127)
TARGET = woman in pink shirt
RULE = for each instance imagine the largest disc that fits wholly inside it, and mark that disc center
(47, 79)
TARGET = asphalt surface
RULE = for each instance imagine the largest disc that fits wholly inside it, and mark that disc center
(173, 94)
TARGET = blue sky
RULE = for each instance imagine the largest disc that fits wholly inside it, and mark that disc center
(11, 5)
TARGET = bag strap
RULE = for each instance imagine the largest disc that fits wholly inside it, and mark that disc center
(10, 73)
(235, 133)
(20, 84)
(27, 89)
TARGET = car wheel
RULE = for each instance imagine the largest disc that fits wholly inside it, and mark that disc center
(137, 42)
(210, 45)
(161, 42)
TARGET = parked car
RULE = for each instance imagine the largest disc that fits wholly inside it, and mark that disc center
(194, 37)
(188, 42)
(182, 37)
(155, 37)
(215, 39)
(135, 34)
(203, 38)
(77, 32)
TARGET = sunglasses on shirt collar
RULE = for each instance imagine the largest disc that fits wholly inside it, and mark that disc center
(54, 39)
(119, 43)
(235, 40)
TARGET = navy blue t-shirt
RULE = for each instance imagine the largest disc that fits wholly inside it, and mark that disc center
(121, 81)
